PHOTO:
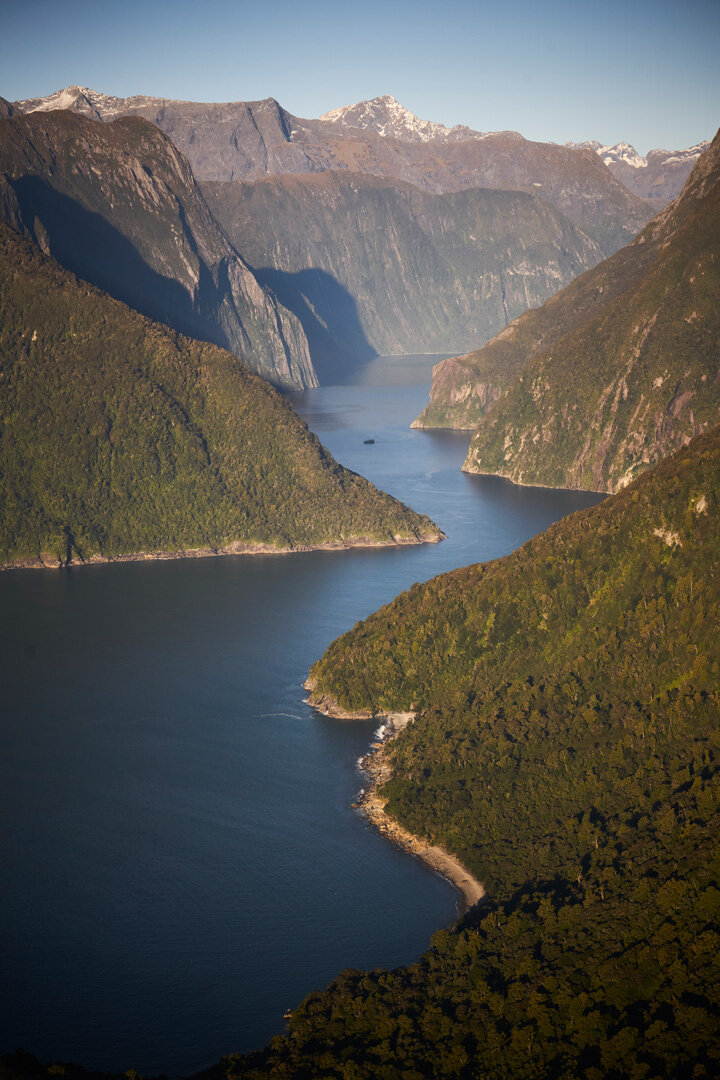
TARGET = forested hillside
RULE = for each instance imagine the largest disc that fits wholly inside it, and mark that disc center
(118, 436)
(567, 749)
(613, 372)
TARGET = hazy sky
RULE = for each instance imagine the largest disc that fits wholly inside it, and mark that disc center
(647, 71)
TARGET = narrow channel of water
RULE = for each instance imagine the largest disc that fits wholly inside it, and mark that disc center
(181, 863)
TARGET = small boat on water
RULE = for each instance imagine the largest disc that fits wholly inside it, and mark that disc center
(368, 442)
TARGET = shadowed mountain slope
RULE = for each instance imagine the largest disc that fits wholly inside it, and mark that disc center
(425, 272)
(117, 204)
(118, 436)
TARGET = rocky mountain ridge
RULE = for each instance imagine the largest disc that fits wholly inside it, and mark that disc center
(660, 175)
(249, 140)
(376, 265)
(118, 205)
(389, 118)
(632, 373)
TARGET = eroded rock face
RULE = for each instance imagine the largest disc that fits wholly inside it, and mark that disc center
(371, 264)
(118, 204)
(248, 140)
(638, 377)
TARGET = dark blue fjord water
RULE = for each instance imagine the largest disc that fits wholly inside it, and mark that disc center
(180, 861)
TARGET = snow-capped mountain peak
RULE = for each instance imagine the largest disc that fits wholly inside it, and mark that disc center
(79, 99)
(389, 118)
(624, 152)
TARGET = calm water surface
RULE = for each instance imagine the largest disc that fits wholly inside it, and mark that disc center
(181, 863)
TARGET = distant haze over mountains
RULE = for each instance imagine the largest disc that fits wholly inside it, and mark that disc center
(328, 215)
(660, 175)
(249, 140)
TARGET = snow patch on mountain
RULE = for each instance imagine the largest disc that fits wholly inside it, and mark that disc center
(389, 118)
(628, 155)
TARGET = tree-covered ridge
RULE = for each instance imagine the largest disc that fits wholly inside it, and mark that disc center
(119, 436)
(637, 379)
(598, 319)
(605, 973)
(567, 749)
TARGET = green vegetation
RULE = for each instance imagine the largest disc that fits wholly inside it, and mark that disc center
(568, 750)
(613, 372)
(637, 378)
(119, 436)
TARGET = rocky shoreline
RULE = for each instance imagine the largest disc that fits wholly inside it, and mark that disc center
(376, 771)
(46, 561)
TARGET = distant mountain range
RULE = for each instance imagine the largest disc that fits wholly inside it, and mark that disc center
(345, 259)
(248, 140)
(393, 234)
(659, 176)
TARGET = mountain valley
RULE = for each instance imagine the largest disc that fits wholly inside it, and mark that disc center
(167, 268)
(371, 265)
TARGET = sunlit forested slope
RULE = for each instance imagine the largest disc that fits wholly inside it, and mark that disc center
(567, 748)
(612, 373)
(119, 436)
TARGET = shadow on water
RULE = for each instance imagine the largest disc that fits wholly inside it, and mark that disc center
(329, 317)
(88, 245)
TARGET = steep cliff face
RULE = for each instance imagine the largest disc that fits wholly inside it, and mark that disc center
(372, 264)
(248, 140)
(119, 436)
(639, 376)
(118, 205)
(222, 141)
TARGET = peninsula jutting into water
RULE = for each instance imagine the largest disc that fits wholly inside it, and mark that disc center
(189, 817)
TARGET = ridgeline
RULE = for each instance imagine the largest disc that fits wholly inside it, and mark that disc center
(614, 372)
(118, 436)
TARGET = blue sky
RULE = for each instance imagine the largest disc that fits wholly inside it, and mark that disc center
(646, 71)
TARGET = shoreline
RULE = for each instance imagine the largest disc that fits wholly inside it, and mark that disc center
(376, 771)
(542, 487)
(46, 561)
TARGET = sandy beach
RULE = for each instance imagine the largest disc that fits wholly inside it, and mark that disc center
(376, 772)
